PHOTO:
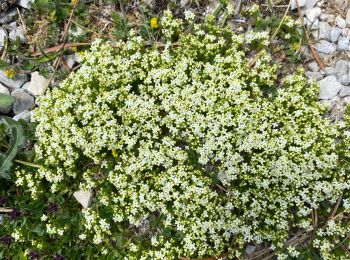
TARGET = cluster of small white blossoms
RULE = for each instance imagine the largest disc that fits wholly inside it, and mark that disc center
(193, 139)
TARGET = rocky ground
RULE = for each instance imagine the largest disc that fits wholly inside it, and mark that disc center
(328, 23)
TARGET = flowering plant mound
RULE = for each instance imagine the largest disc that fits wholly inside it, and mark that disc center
(192, 148)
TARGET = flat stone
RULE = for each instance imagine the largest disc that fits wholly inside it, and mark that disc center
(84, 197)
(24, 101)
(331, 18)
(17, 32)
(314, 75)
(342, 72)
(8, 16)
(340, 22)
(313, 66)
(347, 19)
(329, 71)
(15, 83)
(25, 115)
(325, 31)
(250, 249)
(301, 3)
(310, 4)
(344, 92)
(324, 17)
(38, 84)
(3, 35)
(325, 47)
(343, 43)
(3, 89)
(313, 14)
(329, 87)
(70, 59)
(335, 33)
(25, 3)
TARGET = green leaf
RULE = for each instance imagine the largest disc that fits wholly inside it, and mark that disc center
(3, 64)
(17, 139)
(6, 101)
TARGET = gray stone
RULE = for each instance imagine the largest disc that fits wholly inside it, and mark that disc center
(38, 84)
(324, 17)
(325, 47)
(335, 33)
(25, 115)
(340, 22)
(84, 197)
(3, 35)
(250, 249)
(325, 31)
(343, 43)
(310, 4)
(313, 14)
(14, 83)
(314, 75)
(17, 32)
(329, 71)
(25, 3)
(8, 16)
(347, 19)
(313, 66)
(301, 3)
(70, 59)
(331, 18)
(344, 92)
(329, 87)
(341, 67)
(24, 101)
(3, 89)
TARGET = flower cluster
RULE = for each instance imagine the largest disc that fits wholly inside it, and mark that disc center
(192, 149)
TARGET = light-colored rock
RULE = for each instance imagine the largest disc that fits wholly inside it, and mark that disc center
(342, 72)
(250, 249)
(4, 90)
(335, 33)
(314, 34)
(344, 92)
(313, 14)
(340, 22)
(343, 43)
(70, 59)
(25, 3)
(347, 19)
(329, 87)
(84, 197)
(17, 32)
(314, 75)
(315, 25)
(25, 115)
(8, 16)
(14, 83)
(313, 66)
(38, 84)
(325, 31)
(325, 47)
(3, 35)
(301, 3)
(324, 17)
(23, 101)
(329, 71)
(331, 18)
(310, 4)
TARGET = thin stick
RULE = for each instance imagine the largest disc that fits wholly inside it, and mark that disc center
(336, 206)
(5, 210)
(65, 46)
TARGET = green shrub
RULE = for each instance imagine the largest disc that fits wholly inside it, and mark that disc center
(193, 148)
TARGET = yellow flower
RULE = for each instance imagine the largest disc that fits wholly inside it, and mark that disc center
(154, 23)
(10, 73)
(296, 46)
(75, 49)
(114, 153)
